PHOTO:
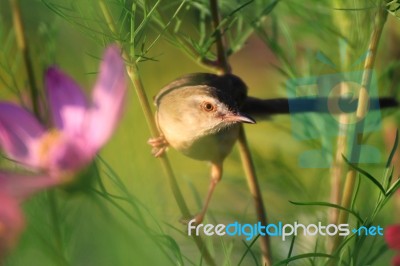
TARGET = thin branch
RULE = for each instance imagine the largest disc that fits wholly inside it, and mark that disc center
(134, 76)
(362, 109)
(223, 64)
(255, 191)
(338, 168)
(245, 154)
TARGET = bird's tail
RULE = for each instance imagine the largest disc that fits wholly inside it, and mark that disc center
(267, 107)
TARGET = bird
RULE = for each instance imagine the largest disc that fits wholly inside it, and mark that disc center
(199, 115)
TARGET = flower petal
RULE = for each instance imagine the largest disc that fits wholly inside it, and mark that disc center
(69, 156)
(67, 101)
(396, 261)
(392, 237)
(108, 97)
(13, 190)
(11, 223)
(20, 187)
(19, 134)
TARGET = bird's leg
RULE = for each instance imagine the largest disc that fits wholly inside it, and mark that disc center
(216, 175)
(159, 145)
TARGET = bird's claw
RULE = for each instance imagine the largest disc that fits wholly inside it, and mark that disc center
(159, 145)
(198, 218)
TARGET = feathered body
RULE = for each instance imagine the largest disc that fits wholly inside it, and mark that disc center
(199, 114)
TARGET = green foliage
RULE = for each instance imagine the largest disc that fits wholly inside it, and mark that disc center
(121, 211)
(10, 62)
(393, 7)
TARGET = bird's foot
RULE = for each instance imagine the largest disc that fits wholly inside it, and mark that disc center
(159, 145)
(198, 219)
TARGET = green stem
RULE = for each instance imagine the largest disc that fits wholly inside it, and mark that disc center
(55, 221)
(22, 46)
(342, 20)
(361, 112)
(255, 191)
(166, 165)
(244, 149)
(137, 83)
(134, 76)
(222, 63)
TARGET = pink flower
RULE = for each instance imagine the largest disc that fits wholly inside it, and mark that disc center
(81, 128)
(392, 238)
(13, 190)
(11, 223)
(396, 261)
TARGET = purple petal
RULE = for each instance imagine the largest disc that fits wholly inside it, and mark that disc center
(20, 187)
(69, 156)
(11, 223)
(67, 101)
(19, 134)
(108, 97)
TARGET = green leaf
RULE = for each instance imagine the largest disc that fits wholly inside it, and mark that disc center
(378, 254)
(174, 247)
(393, 188)
(327, 204)
(304, 256)
(393, 7)
(325, 59)
(367, 175)
(240, 8)
(393, 151)
(267, 10)
(291, 247)
(248, 250)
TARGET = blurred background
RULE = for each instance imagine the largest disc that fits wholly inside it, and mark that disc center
(271, 42)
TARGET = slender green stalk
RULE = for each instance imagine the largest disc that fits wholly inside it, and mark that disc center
(244, 149)
(255, 191)
(338, 168)
(22, 46)
(133, 73)
(222, 60)
(361, 112)
(166, 165)
(54, 217)
(137, 83)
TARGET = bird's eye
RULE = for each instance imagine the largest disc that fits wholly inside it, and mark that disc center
(208, 107)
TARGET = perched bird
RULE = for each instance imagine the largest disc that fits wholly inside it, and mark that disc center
(199, 115)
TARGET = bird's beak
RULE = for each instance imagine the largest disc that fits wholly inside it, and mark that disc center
(241, 118)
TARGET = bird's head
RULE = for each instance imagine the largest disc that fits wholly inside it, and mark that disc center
(202, 104)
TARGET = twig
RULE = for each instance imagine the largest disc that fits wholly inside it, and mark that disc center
(245, 154)
(222, 60)
(338, 167)
(362, 109)
(255, 191)
(133, 74)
